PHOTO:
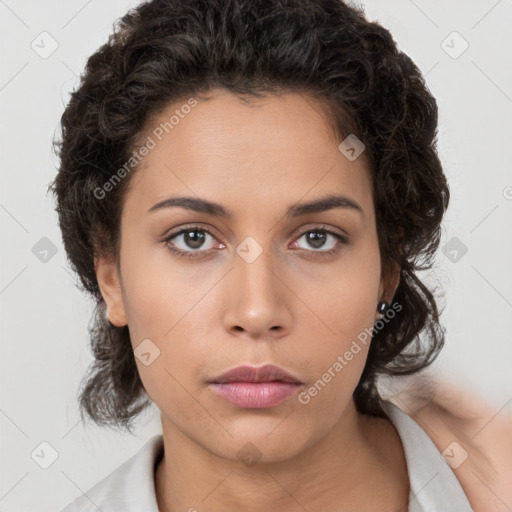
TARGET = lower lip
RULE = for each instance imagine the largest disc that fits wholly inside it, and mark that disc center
(255, 395)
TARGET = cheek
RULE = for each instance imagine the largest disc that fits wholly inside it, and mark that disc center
(337, 360)
(157, 296)
(159, 314)
(346, 308)
(165, 306)
(346, 301)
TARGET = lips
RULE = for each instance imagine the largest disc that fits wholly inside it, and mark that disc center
(266, 373)
(252, 387)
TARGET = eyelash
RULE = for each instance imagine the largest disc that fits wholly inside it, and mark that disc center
(193, 254)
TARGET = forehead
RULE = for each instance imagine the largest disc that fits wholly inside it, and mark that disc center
(254, 155)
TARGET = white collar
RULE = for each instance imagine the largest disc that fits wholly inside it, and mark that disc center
(433, 484)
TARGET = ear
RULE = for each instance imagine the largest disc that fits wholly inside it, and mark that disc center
(389, 283)
(109, 282)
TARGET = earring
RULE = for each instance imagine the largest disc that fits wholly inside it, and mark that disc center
(382, 306)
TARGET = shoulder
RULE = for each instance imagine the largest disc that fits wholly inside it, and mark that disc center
(474, 437)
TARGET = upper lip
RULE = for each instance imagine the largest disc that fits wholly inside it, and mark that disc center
(266, 373)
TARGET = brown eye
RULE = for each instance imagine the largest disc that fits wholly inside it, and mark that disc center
(189, 241)
(322, 241)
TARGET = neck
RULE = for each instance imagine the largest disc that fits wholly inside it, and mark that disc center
(357, 465)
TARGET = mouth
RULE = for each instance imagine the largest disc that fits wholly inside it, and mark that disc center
(266, 373)
(255, 388)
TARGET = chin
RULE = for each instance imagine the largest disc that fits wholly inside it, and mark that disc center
(268, 442)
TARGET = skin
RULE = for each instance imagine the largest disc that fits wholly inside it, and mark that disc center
(291, 307)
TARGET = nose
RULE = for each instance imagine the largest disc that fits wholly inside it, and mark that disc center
(258, 298)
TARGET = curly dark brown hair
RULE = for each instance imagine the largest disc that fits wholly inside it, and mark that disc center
(166, 50)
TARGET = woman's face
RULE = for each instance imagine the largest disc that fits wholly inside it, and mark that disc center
(258, 286)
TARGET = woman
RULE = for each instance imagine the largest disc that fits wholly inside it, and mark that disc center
(247, 190)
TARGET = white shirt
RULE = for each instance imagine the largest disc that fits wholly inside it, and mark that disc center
(433, 485)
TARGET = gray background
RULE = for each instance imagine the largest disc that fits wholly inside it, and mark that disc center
(44, 318)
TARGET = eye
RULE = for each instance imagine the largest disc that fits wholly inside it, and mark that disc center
(188, 241)
(318, 239)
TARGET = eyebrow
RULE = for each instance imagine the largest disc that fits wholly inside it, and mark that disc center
(324, 203)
